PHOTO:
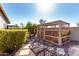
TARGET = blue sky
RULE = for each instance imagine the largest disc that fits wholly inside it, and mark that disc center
(22, 13)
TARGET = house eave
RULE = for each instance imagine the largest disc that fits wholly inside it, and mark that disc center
(4, 14)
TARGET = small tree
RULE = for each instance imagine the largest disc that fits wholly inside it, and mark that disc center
(34, 28)
(42, 21)
(21, 25)
(29, 26)
(16, 26)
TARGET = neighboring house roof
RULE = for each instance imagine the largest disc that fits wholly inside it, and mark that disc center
(4, 15)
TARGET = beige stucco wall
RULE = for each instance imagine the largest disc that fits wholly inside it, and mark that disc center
(74, 33)
(2, 22)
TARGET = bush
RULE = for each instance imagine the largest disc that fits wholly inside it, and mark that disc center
(11, 39)
(32, 28)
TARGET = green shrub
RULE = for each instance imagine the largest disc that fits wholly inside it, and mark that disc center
(11, 39)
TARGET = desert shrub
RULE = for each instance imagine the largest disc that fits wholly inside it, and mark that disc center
(12, 39)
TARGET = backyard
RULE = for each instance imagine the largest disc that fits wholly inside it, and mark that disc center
(18, 42)
(38, 37)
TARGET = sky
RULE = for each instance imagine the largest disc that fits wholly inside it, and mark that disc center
(22, 13)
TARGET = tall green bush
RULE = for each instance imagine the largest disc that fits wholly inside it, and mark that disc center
(11, 40)
(32, 28)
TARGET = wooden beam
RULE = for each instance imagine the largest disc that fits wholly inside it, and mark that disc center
(52, 36)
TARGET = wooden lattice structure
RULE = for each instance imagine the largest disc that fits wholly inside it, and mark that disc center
(56, 32)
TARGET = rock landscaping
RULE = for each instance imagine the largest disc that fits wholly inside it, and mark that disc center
(37, 48)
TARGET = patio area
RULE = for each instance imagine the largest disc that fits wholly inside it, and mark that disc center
(43, 48)
(37, 47)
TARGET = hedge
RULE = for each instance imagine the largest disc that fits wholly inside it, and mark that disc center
(12, 39)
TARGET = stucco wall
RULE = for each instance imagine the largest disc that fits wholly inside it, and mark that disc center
(74, 33)
(2, 22)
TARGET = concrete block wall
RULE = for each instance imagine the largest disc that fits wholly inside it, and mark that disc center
(74, 33)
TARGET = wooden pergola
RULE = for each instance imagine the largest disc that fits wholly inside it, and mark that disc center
(56, 32)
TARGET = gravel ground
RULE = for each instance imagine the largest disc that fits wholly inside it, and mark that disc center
(54, 50)
(37, 48)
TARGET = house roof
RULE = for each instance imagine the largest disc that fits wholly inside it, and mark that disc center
(6, 19)
(56, 23)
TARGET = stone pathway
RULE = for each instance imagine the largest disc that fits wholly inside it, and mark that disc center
(24, 51)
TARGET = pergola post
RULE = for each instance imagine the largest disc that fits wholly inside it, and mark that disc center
(37, 32)
(40, 32)
(59, 39)
(44, 33)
